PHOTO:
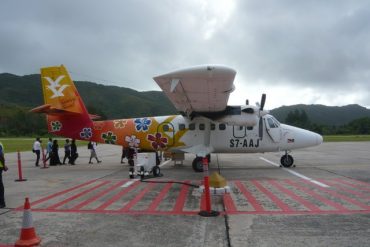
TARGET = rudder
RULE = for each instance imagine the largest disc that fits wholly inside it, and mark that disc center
(66, 113)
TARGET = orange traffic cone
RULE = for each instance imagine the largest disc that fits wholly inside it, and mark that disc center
(28, 236)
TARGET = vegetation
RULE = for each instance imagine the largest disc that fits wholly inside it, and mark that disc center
(26, 144)
(19, 94)
(300, 119)
(347, 138)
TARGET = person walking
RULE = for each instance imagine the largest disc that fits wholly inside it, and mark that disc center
(4, 168)
(67, 152)
(55, 160)
(74, 154)
(92, 147)
(37, 150)
(49, 145)
(124, 154)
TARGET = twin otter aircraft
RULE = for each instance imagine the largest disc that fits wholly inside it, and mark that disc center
(206, 124)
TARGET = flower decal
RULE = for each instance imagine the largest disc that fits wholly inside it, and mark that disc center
(98, 125)
(142, 124)
(119, 124)
(132, 141)
(86, 133)
(56, 126)
(157, 141)
(109, 137)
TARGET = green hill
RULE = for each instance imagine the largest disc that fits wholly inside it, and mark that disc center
(112, 101)
(324, 115)
(18, 94)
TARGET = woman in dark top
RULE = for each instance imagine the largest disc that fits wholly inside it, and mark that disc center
(54, 160)
(74, 153)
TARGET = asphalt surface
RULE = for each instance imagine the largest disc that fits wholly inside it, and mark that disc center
(324, 201)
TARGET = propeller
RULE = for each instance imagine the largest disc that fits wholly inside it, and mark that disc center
(260, 124)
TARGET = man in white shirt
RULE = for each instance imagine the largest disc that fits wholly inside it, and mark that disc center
(37, 150)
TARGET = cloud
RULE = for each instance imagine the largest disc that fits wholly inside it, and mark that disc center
(290, 49)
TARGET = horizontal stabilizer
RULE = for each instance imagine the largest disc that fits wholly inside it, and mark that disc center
(50, 110)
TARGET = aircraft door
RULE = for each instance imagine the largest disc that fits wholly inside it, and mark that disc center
(167, 130)
(273, 129)
(239, 131)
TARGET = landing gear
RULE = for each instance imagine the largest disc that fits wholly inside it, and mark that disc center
(287, 160)
(198, 164)
(156, 171)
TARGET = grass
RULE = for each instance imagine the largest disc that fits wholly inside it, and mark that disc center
(347, 138)
(26, 144)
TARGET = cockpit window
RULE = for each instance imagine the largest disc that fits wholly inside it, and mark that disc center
(277, 123)
(271, 123)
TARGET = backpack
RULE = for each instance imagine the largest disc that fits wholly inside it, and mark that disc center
(89, 145)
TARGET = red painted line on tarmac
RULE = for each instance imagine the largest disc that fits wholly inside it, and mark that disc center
(359, 182)
(118, 196)
(295, 197)
(317, 196)
(250, 198)
(58, 194)
(138, 197)
(180, 202)
(90, 200)
(350, 191)
(357, 186)
(54, 206)
(134, 212)
(339, 212)
(275, 199)
(343, 197)
(229, 203)
(153, 206)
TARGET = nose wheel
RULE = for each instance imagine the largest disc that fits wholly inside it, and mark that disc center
(287, 160)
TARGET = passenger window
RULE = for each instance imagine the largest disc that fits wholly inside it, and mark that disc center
(181, 126)
(166, 128)
(213, 126)
(250, 128)
(271, 123)
(201, 126)
(192, 126)
(222, 127)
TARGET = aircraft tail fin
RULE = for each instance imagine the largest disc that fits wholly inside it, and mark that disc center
(66, 112)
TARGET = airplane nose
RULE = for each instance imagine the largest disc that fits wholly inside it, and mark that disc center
(319, 139)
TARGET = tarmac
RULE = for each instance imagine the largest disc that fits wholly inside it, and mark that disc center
(323, 201)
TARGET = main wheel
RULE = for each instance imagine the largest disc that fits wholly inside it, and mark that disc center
(156, 171)
(286, 160)
(198, 164)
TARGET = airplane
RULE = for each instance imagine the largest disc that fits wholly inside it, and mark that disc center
(206, 124)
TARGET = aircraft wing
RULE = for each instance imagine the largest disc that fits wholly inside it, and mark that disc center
(204, 88)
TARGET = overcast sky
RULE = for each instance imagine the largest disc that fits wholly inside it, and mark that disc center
(310, 52)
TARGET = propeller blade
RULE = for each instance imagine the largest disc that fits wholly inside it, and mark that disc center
(263, 100)
(260, 128)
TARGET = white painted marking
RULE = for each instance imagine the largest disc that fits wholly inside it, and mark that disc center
(165, 163)
(296, 174)
(128, 183)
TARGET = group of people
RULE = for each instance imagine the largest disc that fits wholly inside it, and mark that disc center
(52, 152)
(70, 152)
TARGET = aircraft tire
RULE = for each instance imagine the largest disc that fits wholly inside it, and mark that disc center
(197, 164)
(286, 160)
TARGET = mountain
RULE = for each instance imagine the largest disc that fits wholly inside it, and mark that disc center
(325, 115)
(111, 101)
(114, 102)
